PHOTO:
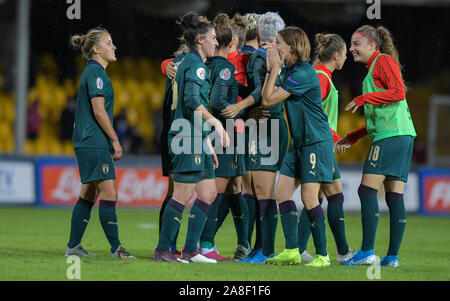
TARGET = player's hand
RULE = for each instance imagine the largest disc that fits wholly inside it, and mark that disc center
(118, 151)
(231, 111)
(342, 145)
(225, 138)
(353, 105)
(258, 113)
(275, 61)
(215, 159)
(171, 70)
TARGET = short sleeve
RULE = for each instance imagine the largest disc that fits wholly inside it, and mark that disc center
(295, 84)
(96, 83)
(225, 77)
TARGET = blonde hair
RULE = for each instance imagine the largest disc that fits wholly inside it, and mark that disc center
(223, 27)
(239, 28)
(252, 24)
(88, 41)
(327, 45)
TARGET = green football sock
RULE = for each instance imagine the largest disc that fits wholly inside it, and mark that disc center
(397, 215)
(108, 219)
(370, 214)
(304, 229)
(197, 219)
(335, 215)
(288, 213)
(239, 210)
(251, 205)
(170, 224)
(258, 230)
(222, 210)
(318, 230)
(209, 230)
(269, 222)
(81, 214)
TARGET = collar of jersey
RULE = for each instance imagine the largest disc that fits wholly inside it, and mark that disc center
(248, 47)
(91, 61)
(197, 54)
(218, 57)
(295, 65)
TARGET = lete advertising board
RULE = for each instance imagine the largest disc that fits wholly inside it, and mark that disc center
(137, 186)
(17, 182)
(435, 191)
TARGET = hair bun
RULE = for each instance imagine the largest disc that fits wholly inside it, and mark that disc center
(322, 39)
(77, 41)
(189, 20)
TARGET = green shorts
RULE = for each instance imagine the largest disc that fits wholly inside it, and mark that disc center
(336, 172)
(254, 157)
(230, 165)
(310, 163)
(198, 175)
(95, 164)
(390, 157)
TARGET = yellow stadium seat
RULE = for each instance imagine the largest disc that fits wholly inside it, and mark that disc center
(68, 148)
(29, 147)
(55, 147)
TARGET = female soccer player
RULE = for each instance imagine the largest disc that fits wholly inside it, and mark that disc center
(96, 143)
(224, 92)
(310, 156)
(237, 198)
(192, 167)
(331, 53)
(263, 173)
(390, 127)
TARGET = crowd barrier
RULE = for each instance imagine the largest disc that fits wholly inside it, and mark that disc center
(55, 181)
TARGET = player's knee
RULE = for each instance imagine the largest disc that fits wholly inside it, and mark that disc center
(207, 196)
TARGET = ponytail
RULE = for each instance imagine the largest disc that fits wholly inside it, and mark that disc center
(382, 38)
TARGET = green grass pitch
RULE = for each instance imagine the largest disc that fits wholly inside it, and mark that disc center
(33, 240)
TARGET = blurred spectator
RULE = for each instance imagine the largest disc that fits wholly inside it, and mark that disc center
(67, 119)
(34, 120)
(129, 137)
(121, 125)
(158, 122)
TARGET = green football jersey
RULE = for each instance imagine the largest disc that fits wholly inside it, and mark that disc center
(307, 120)
(331, 103)
(94, 82)
(256, 74)
(224, 89)
(168, 95)
(190, 90)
